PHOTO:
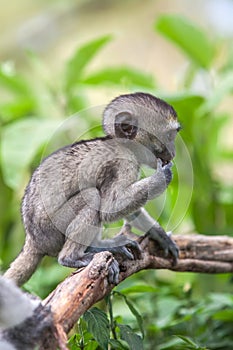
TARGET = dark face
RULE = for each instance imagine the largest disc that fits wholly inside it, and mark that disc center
(162, 145)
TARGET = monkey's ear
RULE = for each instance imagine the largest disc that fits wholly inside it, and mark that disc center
(126, 126)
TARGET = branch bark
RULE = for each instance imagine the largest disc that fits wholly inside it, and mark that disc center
(78, 292)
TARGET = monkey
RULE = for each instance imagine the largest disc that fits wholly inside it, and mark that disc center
(15, 306)
(16, 312)
(82, 186)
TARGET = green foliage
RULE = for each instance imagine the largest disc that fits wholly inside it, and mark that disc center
(188, 37)
(131, 338)
(98, 326)
(203, 123)
(122, 75)
(172, 319)
(77, 64)
(19, 146)
(149, 310)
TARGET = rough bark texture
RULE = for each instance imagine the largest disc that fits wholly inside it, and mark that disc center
(78, 292)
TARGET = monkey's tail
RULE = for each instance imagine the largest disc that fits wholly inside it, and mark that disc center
(25, 264)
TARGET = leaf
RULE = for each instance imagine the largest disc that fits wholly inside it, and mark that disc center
(185, 101)
(224, 315)
(16, 109)
(81, 58)
(188, 37)
(124, 75)
(132, 339)
(190, 344)
(98, 326)
(186, 340)
(133, 310)
(20, 142)
(116, 344)
(141, 288)
(136, 314)
(12, 82)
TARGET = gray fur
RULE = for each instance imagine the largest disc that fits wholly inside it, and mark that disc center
(79, 187)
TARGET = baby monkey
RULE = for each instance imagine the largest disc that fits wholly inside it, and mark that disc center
(80, 187)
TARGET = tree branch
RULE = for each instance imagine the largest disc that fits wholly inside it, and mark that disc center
(78, 292)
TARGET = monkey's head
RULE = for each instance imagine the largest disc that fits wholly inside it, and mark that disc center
(145, 119)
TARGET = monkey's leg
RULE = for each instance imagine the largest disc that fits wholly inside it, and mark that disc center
(78, 251)
(144, 222)
(80, 235)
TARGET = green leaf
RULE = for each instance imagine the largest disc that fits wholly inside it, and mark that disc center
(139, 289)
(224, 315)
(136, 314)
(12, 82)
(81, 58)
(20, 142)
(132, 339)
(133, 310)
(185, 104)
(188, 37)
(16, 109)
(98, 326)
(116, 344)
(124, 75)
(190, 344)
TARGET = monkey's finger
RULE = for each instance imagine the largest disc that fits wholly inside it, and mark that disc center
(135, 248)
(126, 253)
(113, 274)
(175, 254)
(168, 165)
(173, 250)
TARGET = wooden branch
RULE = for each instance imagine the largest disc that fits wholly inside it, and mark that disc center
(78, 292)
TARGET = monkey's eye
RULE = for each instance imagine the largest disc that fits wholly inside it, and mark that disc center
(179, 128)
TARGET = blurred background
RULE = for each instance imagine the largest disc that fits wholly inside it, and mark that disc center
(69, 58)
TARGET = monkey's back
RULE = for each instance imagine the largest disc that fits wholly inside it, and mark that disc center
(53, 196)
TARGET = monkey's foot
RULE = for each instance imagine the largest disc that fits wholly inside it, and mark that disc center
(121, 247)
(166, 243)
(113, 272)
(114, 269)
(76, 262)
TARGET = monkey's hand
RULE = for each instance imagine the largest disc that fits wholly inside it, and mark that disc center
(167, 172)
(158, 182)
(164, 171)
(157, 234)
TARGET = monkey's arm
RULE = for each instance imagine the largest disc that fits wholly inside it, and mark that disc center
(122, 199)
(128, 203)
(145, 223)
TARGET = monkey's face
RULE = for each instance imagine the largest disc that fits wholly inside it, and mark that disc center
(145, 120)
(162, 143)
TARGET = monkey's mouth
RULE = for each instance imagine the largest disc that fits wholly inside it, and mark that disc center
(164, 161)
(164, 156)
